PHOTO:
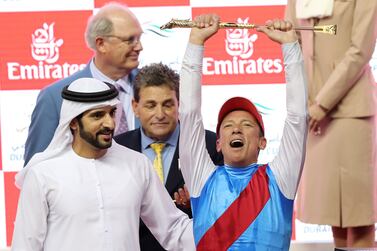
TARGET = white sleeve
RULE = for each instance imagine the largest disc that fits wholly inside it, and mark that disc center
(288, 163)
(32, 212)
(171, 227)
(195, 162)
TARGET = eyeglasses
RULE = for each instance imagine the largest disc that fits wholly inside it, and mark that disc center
(132, 41)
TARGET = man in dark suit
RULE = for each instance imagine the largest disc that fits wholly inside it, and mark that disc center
(155, 104)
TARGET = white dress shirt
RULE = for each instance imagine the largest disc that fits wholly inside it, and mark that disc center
(314, 8)
(127, 94)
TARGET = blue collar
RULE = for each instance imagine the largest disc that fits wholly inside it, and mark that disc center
(172, 140)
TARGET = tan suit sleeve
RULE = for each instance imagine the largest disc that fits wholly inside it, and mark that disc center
(356, 58)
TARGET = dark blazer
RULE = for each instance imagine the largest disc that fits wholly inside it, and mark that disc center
(132, 139)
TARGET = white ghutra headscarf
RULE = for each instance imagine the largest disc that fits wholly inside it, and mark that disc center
(81, 95)
(314, 8)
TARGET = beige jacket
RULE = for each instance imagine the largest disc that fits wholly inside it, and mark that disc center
(340, 78)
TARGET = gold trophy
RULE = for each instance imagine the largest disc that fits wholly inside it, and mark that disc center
(186, 23)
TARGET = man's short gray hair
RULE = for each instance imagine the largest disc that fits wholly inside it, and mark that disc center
(100, 24)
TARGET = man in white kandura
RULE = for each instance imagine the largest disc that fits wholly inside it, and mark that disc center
(85, 192)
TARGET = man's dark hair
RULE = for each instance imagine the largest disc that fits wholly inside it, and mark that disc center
(156, 74)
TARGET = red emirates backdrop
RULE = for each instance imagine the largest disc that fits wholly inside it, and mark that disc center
(241, 56)
(11, 199)
(140, 3)
(1, 165)
(41, 47)
(43, 41)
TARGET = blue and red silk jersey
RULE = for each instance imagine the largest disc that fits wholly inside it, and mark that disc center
(271, 225)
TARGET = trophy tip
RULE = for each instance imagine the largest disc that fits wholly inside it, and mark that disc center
(335, 29)
(165, 26)
(168, 25)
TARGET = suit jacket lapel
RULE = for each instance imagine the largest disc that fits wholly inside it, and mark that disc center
(133, 140)
(175, 176)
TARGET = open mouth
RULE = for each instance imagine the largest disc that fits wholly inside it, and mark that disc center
(236, 143)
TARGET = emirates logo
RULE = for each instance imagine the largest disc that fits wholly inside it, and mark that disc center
(45, 47)
(238, 42)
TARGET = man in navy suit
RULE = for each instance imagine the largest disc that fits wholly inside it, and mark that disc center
(155, 103)
(114, 36)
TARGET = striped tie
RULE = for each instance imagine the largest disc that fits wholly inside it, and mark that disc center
(122, 125)
(157, 163)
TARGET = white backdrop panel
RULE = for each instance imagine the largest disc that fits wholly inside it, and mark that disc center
(16, 108)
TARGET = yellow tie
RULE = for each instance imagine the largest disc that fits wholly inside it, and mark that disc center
(157, 163)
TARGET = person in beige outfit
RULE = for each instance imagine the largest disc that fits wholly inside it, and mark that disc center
(338, 186)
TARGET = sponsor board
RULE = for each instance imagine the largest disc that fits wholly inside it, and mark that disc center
(166, 46)
(211, 3)
(43, 5)
(36, 33)
(11, 200)
(1, 153)
(312, 232)
(242, 56)
(41, 47)
(16, 108)
(2, 212)
(144, 3)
